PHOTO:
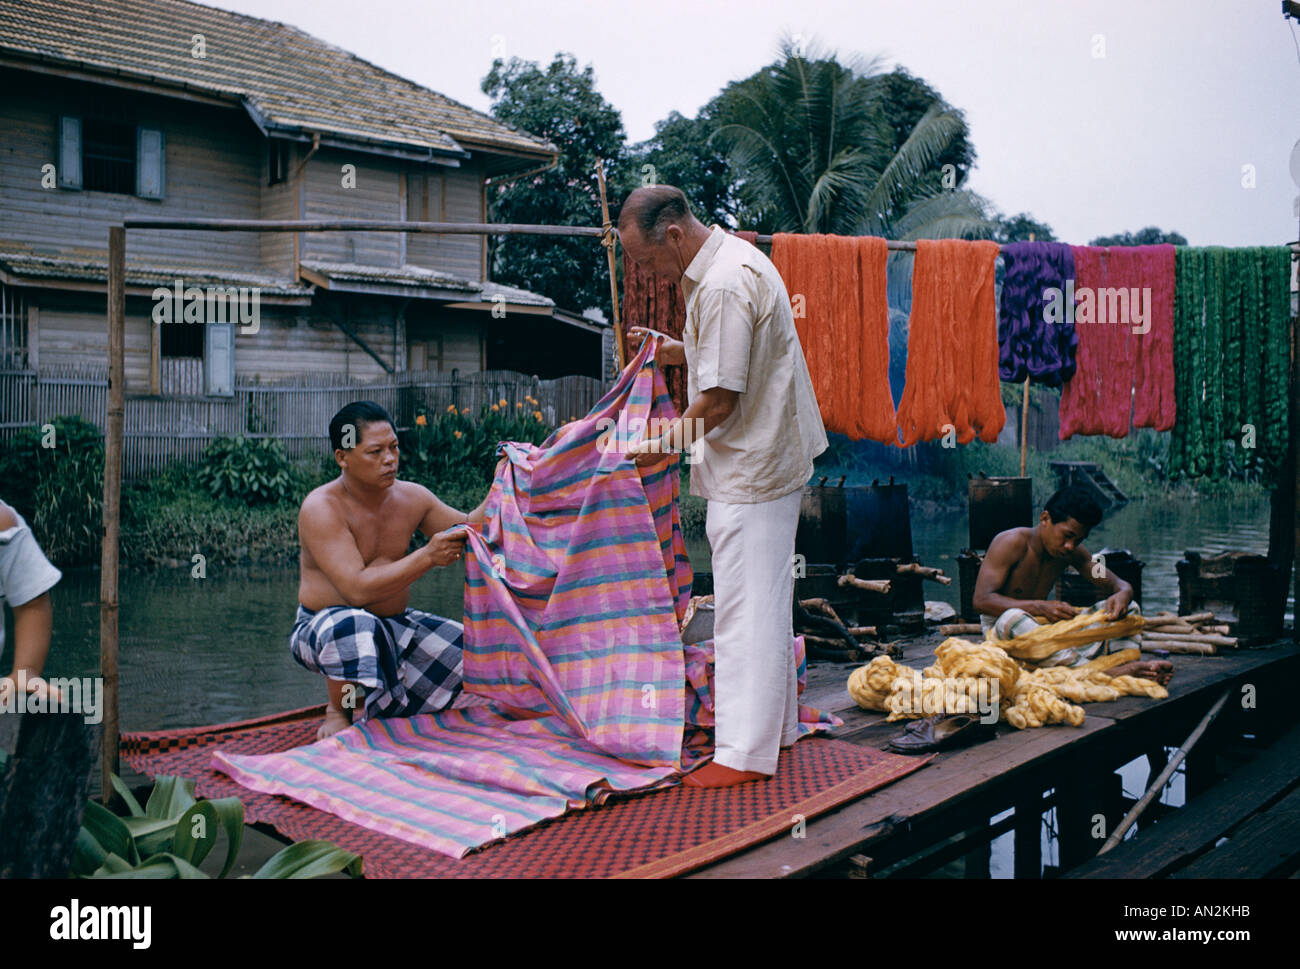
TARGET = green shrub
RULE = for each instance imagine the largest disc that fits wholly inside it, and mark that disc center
(54, 476)
(454, 452)
(254, 472)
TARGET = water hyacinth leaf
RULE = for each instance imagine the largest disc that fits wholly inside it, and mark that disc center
(87, 855)
(125, 794)
(224, 814)
(310, 859)
(108, 830)
(171, 796)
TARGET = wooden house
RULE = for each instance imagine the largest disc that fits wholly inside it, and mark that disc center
(165, 108)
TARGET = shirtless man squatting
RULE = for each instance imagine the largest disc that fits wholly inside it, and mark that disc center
(1021, 566)
(354, 624)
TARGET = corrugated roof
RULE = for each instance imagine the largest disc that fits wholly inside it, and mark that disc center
(35, 266)
(417, 277)
(291, 81)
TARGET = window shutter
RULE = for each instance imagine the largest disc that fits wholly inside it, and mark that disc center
(149, 167)
(219, 359)
(69, 152)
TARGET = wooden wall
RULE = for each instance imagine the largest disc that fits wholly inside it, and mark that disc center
(214, 167)
(453, 195)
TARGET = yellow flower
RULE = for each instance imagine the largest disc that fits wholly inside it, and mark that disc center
(464, 410)
(537, 414)
(451, 408)
(495, 407)
(518, 405)
(457, 433)
(502, 402)
(421, 421)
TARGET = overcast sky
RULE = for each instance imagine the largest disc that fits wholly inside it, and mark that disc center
(1096, 116)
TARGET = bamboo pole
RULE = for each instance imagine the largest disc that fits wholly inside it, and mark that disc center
(962, 629)
(607, 240)
(1158, 785)
(380, 225)
(108, 603)
(1024, 429)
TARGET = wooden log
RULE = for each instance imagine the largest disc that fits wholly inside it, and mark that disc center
(821, 605)
(862, 631)
(1191, 638)
(881, 586)
(925, 572)
(1170, 626)
(962, 629)
(1173, 646)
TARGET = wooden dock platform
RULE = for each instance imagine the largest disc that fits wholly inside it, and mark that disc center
(942, 812)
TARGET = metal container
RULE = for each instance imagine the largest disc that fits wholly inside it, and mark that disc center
(879, 522)
(1245, 590)
(997, 504)
(823, 525)
(968, 570)
(1078, 591)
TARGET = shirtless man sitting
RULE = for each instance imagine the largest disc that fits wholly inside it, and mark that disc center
(353, 624)
(1023, 564)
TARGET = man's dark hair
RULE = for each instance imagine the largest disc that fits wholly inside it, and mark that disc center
(1073, 501)
(651, 209)
(357, 414)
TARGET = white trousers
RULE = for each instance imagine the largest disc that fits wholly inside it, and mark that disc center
(755, 682)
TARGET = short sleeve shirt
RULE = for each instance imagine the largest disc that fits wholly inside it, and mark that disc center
(739, 334)
(25, 572)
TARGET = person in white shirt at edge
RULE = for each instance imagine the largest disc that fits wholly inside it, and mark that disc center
(756, 429)
(26, 577)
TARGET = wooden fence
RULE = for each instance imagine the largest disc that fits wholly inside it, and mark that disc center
(297, 413)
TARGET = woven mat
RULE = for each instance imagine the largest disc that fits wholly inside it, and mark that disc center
(654, 835)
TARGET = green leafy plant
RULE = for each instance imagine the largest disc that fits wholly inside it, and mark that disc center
(454, 451)
(54, 475)
(255, 472)
(173, 833)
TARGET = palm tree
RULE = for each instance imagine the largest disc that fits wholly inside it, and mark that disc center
(814, 151)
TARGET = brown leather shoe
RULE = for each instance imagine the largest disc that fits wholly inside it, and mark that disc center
(943, 732)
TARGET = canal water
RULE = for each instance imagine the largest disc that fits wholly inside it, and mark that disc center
(201, 651)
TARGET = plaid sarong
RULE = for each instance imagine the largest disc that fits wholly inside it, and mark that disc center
(408, 664)
(574, 592)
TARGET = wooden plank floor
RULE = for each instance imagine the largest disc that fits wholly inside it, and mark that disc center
(962, 787)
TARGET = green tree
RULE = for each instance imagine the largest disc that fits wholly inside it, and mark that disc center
(1019, 228)
(1150, 236)
(820, 146)
(682, 153)
(559, 103)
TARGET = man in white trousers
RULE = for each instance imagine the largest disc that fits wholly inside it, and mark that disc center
(753, 428)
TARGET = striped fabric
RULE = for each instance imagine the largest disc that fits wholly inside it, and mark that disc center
(574, 592)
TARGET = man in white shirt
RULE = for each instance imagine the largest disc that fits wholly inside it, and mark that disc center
(754, 427)
(26, 577)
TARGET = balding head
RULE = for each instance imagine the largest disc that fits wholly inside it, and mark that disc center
(652, 208)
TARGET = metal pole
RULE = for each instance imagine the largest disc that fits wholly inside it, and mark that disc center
(108, 603)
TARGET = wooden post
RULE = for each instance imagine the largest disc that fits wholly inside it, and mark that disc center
(1024, 428)
(607, 240)
(112, 496)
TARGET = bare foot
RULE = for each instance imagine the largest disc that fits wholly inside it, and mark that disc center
(1160, 670)
(335, 720)
(716, 775)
